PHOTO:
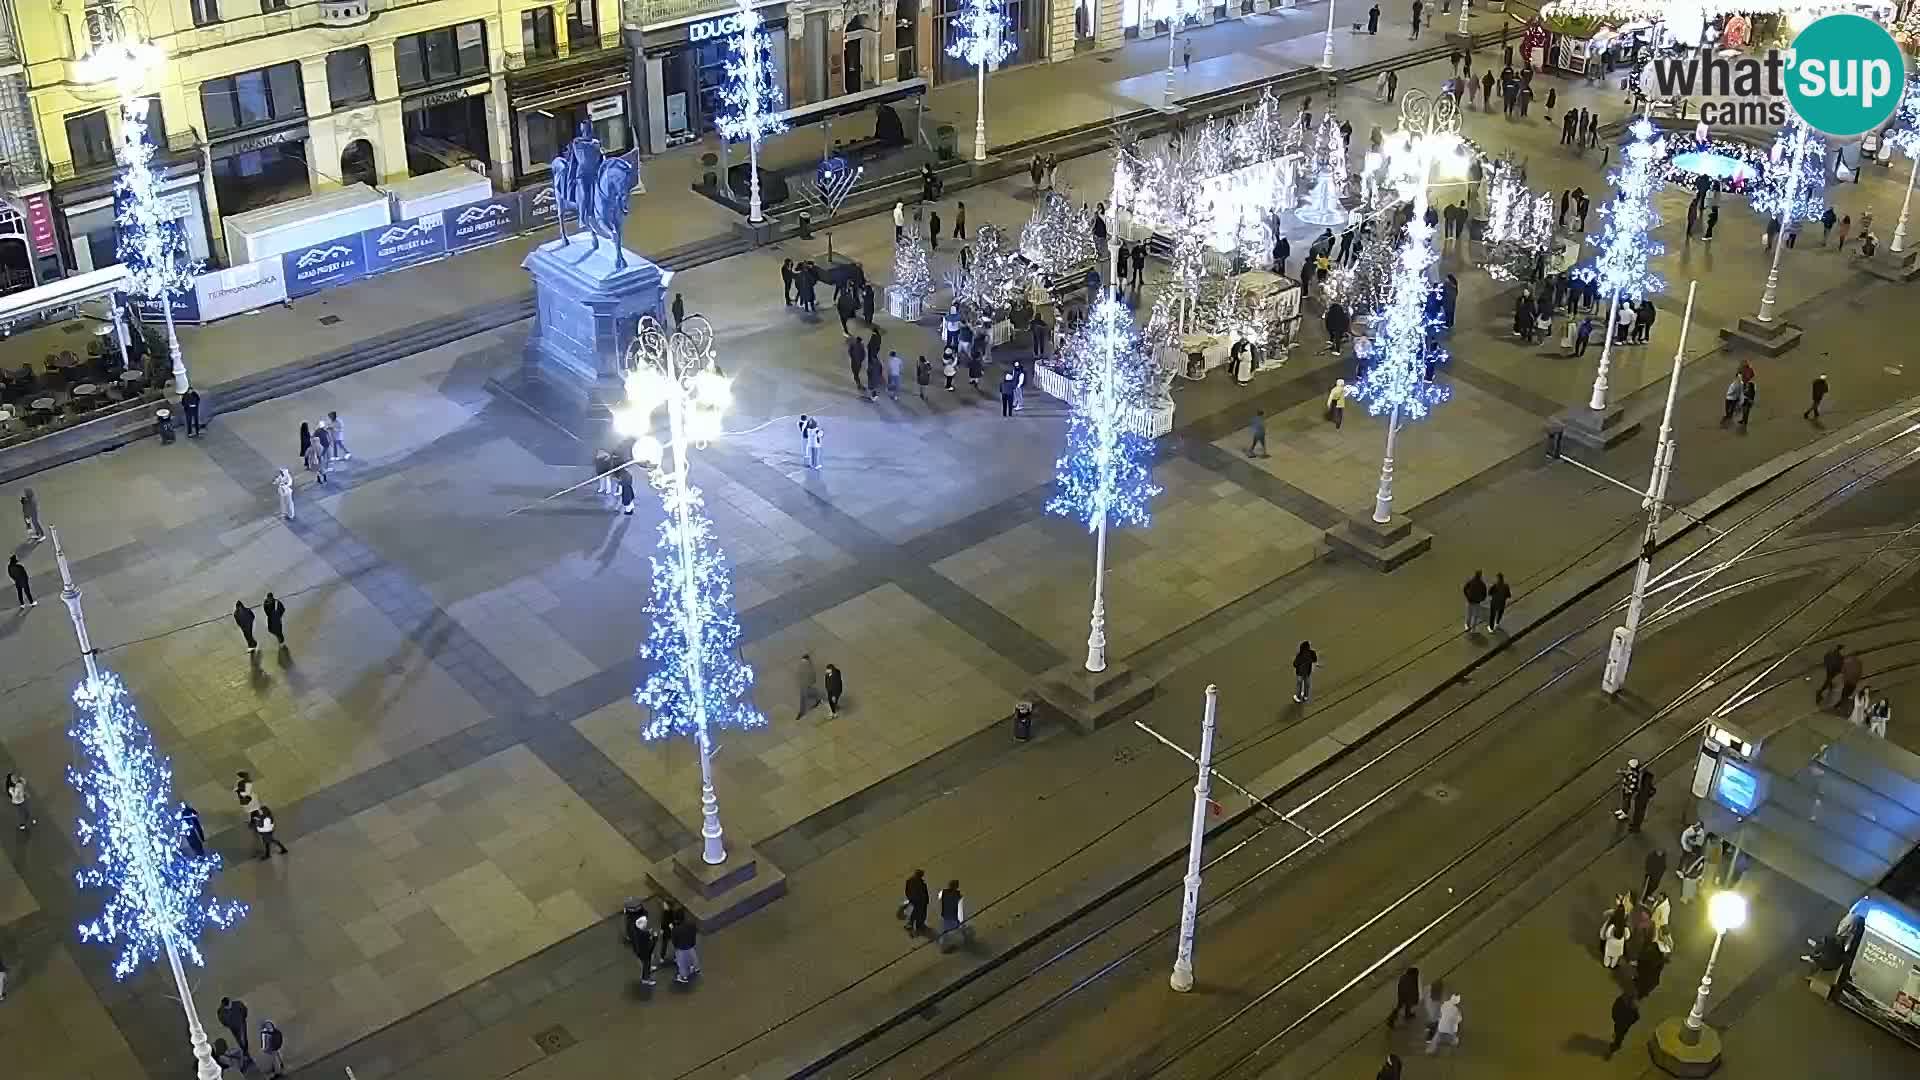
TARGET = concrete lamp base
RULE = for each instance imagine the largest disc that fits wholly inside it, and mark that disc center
(1767, 339)
(718, 895)
(1383, 547)
(1090, 700)
(1673, 1055)
(1597, 429)
(1889, 266)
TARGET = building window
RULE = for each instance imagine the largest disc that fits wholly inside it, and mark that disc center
(452, 52)
(253, 97)
(536, 32)
(350, 76)
(156, 122)
(583, 24)
(205, 12)
(89, 140)
(272, 5)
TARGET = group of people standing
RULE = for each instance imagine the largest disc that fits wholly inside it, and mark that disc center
(1855, 699)
(677, 934)
(324, 444)
(916, 901)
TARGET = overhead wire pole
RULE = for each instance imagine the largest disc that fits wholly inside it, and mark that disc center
(1182, 977)
(1620, 650)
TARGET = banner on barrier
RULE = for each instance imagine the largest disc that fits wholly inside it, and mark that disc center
(404, 243)
(241, 288)
(479, 223)
(186, 308)
(334, 262)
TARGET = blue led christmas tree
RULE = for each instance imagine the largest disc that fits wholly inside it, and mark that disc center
(1794, 187)
(153, 893)
(751, 100)
(980, 38)
(1625, 241)
(1396, 384)
(1105, 476)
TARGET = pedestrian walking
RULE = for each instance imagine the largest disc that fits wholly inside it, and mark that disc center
(22, 802)
(809, 687)
(899, 220)
(1827, 221)
(1846, 226)
(960, 221)
(933, 230)
(893, 375)
(232, 1015)
(1186, 55)
(1337, 402)
(640, 938)
(1850, 674)
(857, 361)
(243, 618)
(1648, 966)
(913, 906)
(1831, 662)
(1037, 330)
(953, 916)
(276, 613)
(923, 375)
(272, 1047)
(263, 826)
(22, 588)
(810, 440)
(686, 956)
(1643, 792)
(340, 450)
(1497, 596)
(1748, 393)
(1475, 590)
(623, 479)
(190, 409)
(670, 917)
(844, 306)
(1140, 263)
(679, 310)
(1391, 1070)
(1653, 871)
(1406, 997)
(976, 370)
(1009, 382)
(1373, 19)
(283, 484)
(876, 373)
(243, 792)
(1613, 943)
(1418, 7)
(786, 281)
(1735, 391)
(30, 516)
(324, 438)
(1304, 661)
(1257, 427)
(836, 686)
(1819, 395)
(1713, 220)
(1446, 1030)
(316, 458)
(191, 829)
(949, 367)
(1626, 1013)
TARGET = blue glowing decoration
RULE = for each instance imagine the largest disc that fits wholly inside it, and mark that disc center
(1904, 132)
(1625, 241)
(1795, 186)
(752, 99)
(149, 242)
(154, 890)
(980, 35)
(696, 679)
(1403, 348)
(1106, 474)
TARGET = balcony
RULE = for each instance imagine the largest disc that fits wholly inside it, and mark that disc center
(581, 50)
(345, 12)
(179, 145)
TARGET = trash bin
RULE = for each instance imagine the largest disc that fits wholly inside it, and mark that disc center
(1023, 721)
(163, 424)
(805, 221)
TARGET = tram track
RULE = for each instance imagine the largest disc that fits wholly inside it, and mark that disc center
(971, 1006)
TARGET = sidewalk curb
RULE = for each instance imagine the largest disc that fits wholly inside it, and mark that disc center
(1444, 667)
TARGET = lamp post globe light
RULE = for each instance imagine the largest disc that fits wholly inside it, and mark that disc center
(980, 38)
(696, 680)
(1689, 1047)
(151, 244)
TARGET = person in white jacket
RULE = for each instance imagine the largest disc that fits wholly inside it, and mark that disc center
(1446, 1031)
(899, 219)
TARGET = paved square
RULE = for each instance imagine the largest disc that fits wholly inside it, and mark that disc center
(915, 684)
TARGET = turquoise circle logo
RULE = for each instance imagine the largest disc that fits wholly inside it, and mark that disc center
(1845, 76)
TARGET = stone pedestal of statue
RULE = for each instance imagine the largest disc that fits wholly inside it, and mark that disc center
(586, 312)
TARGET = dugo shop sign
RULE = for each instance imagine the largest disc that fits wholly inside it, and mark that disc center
(709, 29)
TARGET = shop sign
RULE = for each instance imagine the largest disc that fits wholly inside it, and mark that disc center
(443, 97)
(403, 243)
(708, 29)
(657, 12)
(602, 108)
(246, 287)
(40, 225)
(335, 262)
(483, 222)
(186, 307)
(176, 206)
(252, 143)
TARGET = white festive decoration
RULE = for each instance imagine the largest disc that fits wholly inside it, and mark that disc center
(151, 244)
(1520, 224)
(752, 99)
(996, 279)
(1058, 238)
(980, 38)
(1326, 205)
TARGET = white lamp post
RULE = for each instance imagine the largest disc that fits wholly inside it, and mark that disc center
(1182, 977)
(1794, 200)
(694, 639)
(1464, 5)
(1899, 243)
(1326, 44)
(751, 99)
(1726, 911)
(147, 880)
(980, 38)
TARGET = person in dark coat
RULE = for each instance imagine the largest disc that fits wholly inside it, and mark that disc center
(1497, 596)
(843, 306)
(857, 361)
(876, 374)
(1747, 395)
(1140, 262)
(1391, 1070)
(190, 406)
(192, 831)
(923, 375)
(679, 310)
(1654, 869)
(671, 916)
(1626, 1013)
(1647, 969)
(1819, 393)
(835, 686)
(918, 900)
(641, 939)
(1831, 662)
(1406, 997)
(786, 281)
(686, 958)
(1373, 19)
(1009, 383)
(976, 370)
(809, 281)
(243, 618)
(933, 229)
(1304, 661)
(22, 586)
(873, 340)
(276, 613)
(866, 303)
(232, 1015)
(625, 481)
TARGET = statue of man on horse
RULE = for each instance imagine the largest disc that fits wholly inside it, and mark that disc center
(595, 189)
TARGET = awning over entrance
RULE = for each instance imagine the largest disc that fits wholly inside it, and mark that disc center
(62, 295)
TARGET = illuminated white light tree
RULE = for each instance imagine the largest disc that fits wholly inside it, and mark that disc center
(1519, 224)
(1105, 475)
(997, 278)
(980, 38)
(1904, 134)
(696, 679)
(1327, 206)
(912, 279)
(1793, 189)
(1058, 237)
(751, 100)
(1625, 241)
(155, 904)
